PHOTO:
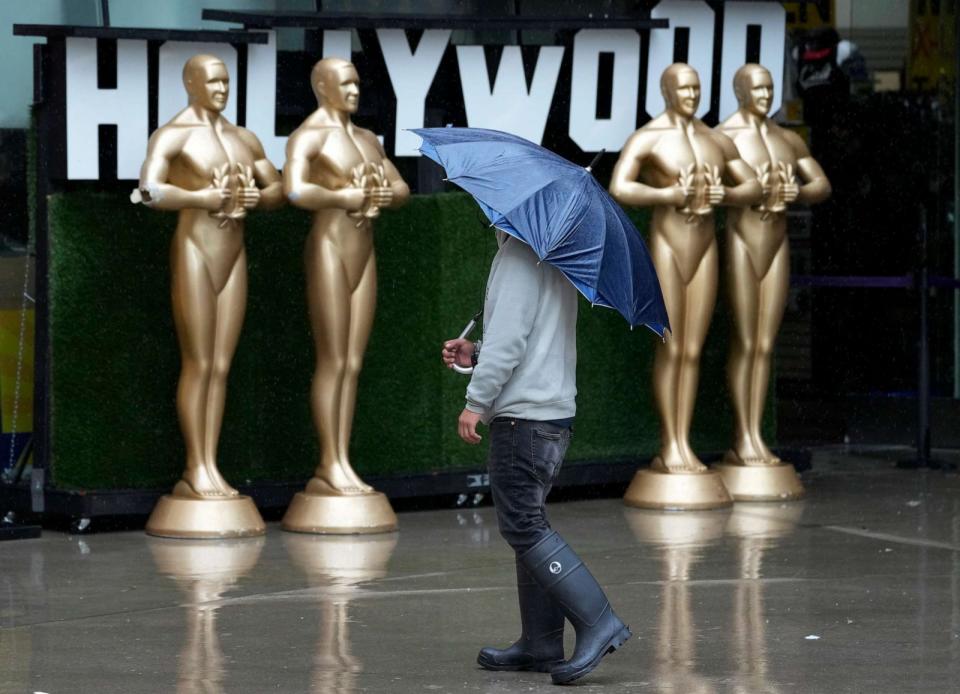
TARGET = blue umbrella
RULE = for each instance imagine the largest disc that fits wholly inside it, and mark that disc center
(560, 211)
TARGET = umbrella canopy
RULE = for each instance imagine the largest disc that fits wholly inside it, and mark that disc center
(560, 210)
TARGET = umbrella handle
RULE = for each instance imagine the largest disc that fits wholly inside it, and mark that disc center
(465, 370)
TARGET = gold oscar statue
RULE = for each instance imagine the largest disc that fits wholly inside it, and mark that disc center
(204, 571)
(341, 174)
(681, 539)
(336, 568)
(211, 172)
(682, 169)
(758, 278)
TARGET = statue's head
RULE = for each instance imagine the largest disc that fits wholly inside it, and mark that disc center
(206, 81)
(680, 86)
(336, 84)
(753, 86)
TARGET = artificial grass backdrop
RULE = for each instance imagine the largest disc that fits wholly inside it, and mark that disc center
(115, 360)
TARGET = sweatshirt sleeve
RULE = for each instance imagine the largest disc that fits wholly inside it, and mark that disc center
(511, 307)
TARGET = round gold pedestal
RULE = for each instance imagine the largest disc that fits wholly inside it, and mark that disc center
(349, 514)
(761, 482)
(216, 518)
(677, 491)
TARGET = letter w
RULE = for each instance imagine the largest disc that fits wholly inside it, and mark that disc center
(509, 106)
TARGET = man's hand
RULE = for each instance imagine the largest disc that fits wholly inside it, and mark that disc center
(457, 352)
(467, 426)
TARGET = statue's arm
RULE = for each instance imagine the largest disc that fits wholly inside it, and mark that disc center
(816, 187)
(740, 181)
(301, 192)
(264, 172)
(401, 191)
(163, 147)
(624, 184)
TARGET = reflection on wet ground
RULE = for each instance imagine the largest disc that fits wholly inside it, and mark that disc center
(204, 571)
(855, 589)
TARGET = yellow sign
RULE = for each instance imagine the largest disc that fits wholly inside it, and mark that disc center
(930, 65)
(812, 14)
(16, 371)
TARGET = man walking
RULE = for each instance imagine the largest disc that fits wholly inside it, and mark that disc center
(524, 387)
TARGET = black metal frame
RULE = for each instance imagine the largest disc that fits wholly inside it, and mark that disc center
(391, 20)
(57, 31)
(446, 488)
(460, 486)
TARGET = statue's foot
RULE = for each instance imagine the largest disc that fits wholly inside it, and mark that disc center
(690, 458)
(744, 453)
(196, 484)
(676, 464)
(332, 480)
(219, 481)
(354, 477)
(768, 456)
(320, 487)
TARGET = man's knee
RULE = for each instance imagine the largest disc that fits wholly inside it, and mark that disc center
(522, 536)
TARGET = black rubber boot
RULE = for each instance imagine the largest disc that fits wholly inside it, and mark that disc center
(540, 646)
(558, 569)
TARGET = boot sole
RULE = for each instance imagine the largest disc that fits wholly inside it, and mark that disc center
(542, 666)
(615, 642)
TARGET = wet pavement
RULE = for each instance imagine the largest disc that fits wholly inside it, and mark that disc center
(855, 589)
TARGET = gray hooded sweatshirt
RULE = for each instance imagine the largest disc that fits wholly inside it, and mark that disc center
(527, 365)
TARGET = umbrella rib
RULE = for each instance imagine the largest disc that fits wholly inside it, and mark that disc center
(506, 215)
(616, 210)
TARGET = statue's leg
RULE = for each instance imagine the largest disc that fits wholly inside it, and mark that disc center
(328, 301)
(773, 300)
(363, 303)
(231, 308)
(701, 298)
(194, 314)
(744, 291)
(666, 362)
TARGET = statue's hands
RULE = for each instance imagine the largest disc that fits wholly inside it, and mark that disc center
(763, 178)
(789, 188)
(214, 198)
(715, 191)
(248, 193)
(221, 182)
(381, 196)
(353, 199)
(681, 194)
(457, 352)
(766, 190)
(370, 180)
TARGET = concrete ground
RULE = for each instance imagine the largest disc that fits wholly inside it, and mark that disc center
(856, 589)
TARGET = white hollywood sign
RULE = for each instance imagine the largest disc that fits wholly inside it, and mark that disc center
(512, 104)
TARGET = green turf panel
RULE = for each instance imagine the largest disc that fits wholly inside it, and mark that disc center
(115, 362)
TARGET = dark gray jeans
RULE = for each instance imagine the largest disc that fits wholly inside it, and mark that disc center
(524, 461)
